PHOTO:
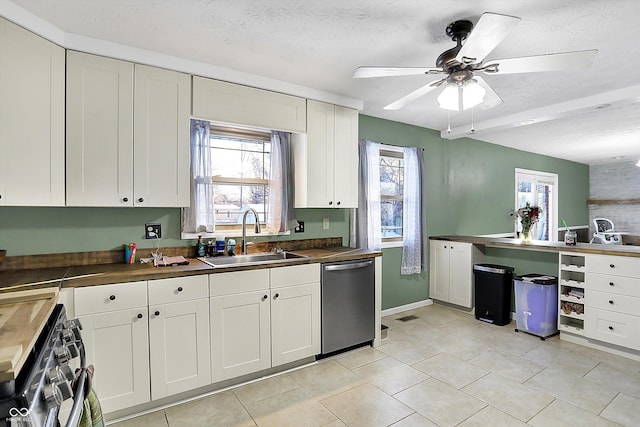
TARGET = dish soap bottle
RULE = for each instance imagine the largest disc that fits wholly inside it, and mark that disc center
(200, 247)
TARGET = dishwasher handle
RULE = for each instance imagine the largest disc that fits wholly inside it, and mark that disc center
(347, 266)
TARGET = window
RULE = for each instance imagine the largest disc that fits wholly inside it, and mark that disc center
(391, 193)
(240, 166)
(539, 189)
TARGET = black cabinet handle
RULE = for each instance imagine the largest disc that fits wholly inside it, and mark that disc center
(276, 296)
(611, 284)
(112, 297)
(140, 200)
(612, 265)
(139, 315)
(125, 199)
(330, 203)
(179, 288)
(611, 328)
(264, 297)
(338, 203)
(611, 302)
(157, 313)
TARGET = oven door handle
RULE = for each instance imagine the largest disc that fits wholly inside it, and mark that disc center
(78, 398)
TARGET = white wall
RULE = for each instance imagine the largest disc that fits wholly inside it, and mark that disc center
(616, 181)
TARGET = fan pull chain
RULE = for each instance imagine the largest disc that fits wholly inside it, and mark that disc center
(449, 123)
(473, 129)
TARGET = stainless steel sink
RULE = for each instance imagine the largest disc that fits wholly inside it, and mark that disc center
(259, 258)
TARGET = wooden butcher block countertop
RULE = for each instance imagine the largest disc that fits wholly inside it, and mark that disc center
(23, 314)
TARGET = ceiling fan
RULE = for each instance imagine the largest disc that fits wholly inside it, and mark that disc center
(463, 88)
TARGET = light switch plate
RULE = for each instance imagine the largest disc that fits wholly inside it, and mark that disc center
(325, 223)
(300, 227)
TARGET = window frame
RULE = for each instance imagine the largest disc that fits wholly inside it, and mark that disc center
(396, 152)
(539, 177)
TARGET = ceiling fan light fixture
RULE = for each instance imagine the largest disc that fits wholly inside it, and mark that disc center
(458, 96)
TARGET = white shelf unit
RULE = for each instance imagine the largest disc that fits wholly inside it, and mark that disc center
(571, 274)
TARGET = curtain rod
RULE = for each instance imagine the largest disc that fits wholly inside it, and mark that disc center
(394, 145)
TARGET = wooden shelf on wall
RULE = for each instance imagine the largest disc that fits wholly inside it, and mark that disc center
(612, 201)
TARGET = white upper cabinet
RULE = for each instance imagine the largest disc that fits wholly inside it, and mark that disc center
(242, 105)
(326, 158)
(99, 131)
(161, 137)
(127, 134)
(31, 119)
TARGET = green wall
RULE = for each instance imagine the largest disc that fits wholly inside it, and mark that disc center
(31, 231)
(469, 190)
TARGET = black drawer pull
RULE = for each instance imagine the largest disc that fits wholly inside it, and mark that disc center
(179, 288)
(139, 315)
(330, 203)
(276, 296)
(611, 328)
(112, 297)
(140, 200)
(612, 265)
(611, 301)
(264, 298)
(611, 284)
(157, 313)
(338, 203)
(126, 199)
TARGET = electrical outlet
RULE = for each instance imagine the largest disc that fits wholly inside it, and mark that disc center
(325, 223)
(300, 227)
(152, 231)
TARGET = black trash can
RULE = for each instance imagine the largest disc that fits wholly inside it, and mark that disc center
(493, 284)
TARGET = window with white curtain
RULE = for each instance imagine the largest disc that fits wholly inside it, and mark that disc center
(538, 189)
(391, 194)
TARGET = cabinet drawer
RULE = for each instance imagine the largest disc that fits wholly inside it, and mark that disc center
(177, 289)
(238, 281)
(294, 275)
(613, 302)
(104, 298)
(617, 265)
(614, 328)
(613, 284)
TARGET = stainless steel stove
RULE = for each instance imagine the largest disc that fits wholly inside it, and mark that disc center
(34, 397)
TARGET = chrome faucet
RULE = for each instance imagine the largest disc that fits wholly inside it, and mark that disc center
(244, 229)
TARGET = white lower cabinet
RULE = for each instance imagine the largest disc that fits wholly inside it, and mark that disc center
(116, 336)
(263, 318)
(179, 335)
(451, 271)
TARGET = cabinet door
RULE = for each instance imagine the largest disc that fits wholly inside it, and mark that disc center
(460, 274)
(99, 131)
(179, 347)
(439, 275)
(31, 119)
(346, 158)
(161, 137)
(295, 323)
(240, 334)
(319, 155)
(117, 344)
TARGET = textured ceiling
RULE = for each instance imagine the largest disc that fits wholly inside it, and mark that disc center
(320, 44)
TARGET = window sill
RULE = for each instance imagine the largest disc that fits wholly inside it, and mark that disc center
(234, 234)
(391, 244)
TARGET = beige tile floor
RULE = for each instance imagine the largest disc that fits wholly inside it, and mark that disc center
(442, 369)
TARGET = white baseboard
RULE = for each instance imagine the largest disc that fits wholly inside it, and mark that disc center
(401, 308)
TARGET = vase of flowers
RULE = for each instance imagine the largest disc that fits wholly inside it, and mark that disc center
(528, 217)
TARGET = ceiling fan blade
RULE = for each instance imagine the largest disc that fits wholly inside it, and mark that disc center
(490, 30)
(491, 98)
(418, 93)
(366, 72)
(549, 62)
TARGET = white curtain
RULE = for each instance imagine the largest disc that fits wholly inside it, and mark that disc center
(281, 215)
(412, 212)
(199, 216)
(368, 225)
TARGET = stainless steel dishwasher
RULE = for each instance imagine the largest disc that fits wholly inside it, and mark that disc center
(348, 304)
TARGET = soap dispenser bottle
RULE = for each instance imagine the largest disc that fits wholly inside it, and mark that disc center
(200, 247)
